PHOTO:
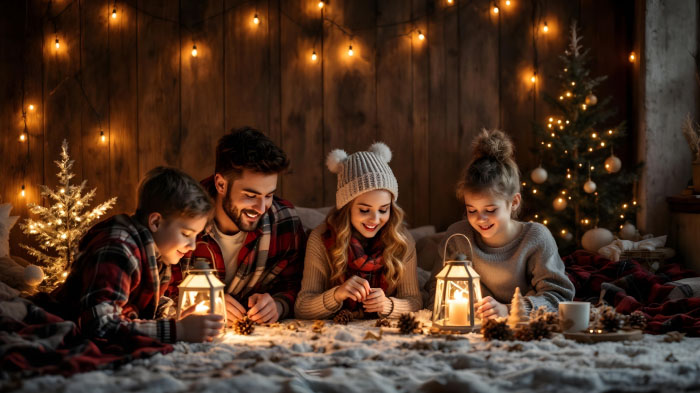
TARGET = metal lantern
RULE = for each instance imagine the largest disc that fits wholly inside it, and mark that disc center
(202, 290)
(457, 292)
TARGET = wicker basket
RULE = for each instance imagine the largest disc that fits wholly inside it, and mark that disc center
(650, 259)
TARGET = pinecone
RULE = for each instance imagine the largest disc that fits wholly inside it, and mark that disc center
(539, 329)
(496, 329)
(543, 313)
(244, 326)
(610, 321)
(382, 322)
(317, 326)
(523, 334)
(637, 320)
(408, 323)
(343, 317)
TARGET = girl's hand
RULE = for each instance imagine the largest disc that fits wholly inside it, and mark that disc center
(489, 308)
(376, 300)
(354, 288)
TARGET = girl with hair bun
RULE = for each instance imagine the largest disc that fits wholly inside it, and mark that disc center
(361, 258)
(507, 253)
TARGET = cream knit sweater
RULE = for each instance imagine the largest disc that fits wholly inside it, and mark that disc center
(316, 299)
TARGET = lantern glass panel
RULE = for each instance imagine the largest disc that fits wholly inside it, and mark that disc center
(202, 291)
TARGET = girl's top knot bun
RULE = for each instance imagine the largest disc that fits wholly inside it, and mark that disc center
(493, 143)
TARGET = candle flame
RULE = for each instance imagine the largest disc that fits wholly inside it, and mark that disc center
(201, 307)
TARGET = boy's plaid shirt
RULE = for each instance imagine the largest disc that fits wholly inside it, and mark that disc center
(270, 261)
(116, 283)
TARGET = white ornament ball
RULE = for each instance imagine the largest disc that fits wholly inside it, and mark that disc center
(612, 164)
(589, 186)
(591, 99)
(538, 175)
(628, 231)
(568, 236)
(33, 275)
(559, 204)
(596, 238)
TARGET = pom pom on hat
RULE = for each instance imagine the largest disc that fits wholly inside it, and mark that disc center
(335, 159)
(381, 150)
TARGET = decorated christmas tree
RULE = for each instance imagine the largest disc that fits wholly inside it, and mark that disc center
(580, 184)
(60, 226)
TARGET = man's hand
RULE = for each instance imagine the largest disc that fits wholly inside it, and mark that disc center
(263, 308)
(234, 310)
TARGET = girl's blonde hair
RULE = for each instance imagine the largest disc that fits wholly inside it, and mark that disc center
(393, 235)
(492, 169)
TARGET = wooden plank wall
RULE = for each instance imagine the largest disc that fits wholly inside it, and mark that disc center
(134, 78)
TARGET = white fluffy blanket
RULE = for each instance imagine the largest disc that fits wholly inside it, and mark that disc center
(340, 359)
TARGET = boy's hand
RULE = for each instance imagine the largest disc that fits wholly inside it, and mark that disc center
(234, 310)
(489, 308)
(374, 302)
(199, 328)
(354, 288)
(263, 308)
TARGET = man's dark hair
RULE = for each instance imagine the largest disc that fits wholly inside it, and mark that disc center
(248, 148)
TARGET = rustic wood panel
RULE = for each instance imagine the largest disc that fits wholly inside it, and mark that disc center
(123, 129)
(202, 92)
(158, 56)
(302, 103)
(94, 58)
(247, 94)
(394, 93)
(349, 84)
(421, 137)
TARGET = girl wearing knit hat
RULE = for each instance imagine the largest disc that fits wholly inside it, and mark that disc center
(507, 253)
(362, 257)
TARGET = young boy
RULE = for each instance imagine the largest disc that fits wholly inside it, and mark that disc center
(117, 281)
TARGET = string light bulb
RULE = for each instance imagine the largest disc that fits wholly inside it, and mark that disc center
(22, 192)
(421, 36)
(256, 20)
(114, 13)
(495, 9)
(545, 28)
(450, 2)
(508, 3)
(320, 4)
(103, 137)
(533, 78)
(31, 107)
(23, 136)
(58, 45)
(350, 51)
(632, 57)
(194, 50)
(313, 56)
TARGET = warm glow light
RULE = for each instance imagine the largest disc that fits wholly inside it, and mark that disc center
(320, 4)
(551, 119)
(508, 3)
(549, 125)
(194, 50)
(534, 191)
(624, 206)
(590, 149)
(563, 192)
(545, 28)
(594, 135)
(495, 9)
(545, 222)
(610, 132)
(256, 20)
(64, 274)
(632, 57)
(22, 193)
(114, 13)
(103, 137)
(313, 56)
(602, 144)
(450, 1)
(524, 184)
(568, 94)
(57, 44)
(421, 36)
(533, 78)
(622, 216)
(63, 190)
(22, 137)
(573, 83)
(583, 106)
(552, 135)
(350, 51)
(201, 308)
(634, 203)
(568, 175)
(549, 145)
(31, 107)
(561, 97)
(592, 168)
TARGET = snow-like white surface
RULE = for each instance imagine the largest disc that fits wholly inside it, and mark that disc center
(341, 360)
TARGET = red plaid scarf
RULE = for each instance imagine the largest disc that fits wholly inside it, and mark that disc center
(363, 261)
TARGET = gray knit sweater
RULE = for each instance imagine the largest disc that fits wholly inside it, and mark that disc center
(530, 261)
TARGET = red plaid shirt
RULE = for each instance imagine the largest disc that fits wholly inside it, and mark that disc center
(116, 283)
(281, 277)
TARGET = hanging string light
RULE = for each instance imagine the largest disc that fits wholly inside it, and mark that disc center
(256, 20)
(321, 4)
(103, 137)
(31, 107)
(57, 44)
(495, 9)
(350, 51)
(313, 56)
(22, 192)
(421, 36)
(632, 57)
(545, 28)
(194, 50)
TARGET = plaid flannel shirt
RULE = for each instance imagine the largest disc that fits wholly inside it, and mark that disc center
(270, 261)
(116, 283)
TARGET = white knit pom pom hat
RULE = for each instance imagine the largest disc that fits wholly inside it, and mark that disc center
(362, 172)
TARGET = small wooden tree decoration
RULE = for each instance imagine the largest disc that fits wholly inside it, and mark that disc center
(61, 225)
(517, 310)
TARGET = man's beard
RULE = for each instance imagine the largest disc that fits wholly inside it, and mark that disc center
(237, 215)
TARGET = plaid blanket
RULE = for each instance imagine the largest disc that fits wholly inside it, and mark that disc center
(42, 343)
(629, 287)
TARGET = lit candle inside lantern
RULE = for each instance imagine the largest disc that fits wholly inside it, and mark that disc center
(458, 309)
(201, 308)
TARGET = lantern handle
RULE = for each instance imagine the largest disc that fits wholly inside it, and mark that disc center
(444, 252)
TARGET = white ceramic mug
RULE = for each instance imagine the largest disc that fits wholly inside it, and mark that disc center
(574, 316)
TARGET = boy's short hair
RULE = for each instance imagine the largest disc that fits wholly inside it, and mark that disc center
(171, 192)
(248, 148)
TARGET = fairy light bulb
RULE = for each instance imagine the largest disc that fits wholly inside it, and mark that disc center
(632, 57)
(320, 4)
(350, 51)
(103, 137)
(256, 20)
(508, 3)
(533, 78)
(545, 28)
(194, 50)
(23, 136)
(495, 9)
(114, 13)
(58, 45)
(421, 36)
(313, 56)
(22, 192)
(31, 107)
(450, 2)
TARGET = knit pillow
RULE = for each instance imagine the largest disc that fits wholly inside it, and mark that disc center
(6, 224)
